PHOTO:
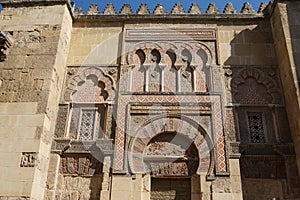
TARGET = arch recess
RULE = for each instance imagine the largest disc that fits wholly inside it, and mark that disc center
(178, 125)
(263, 91)
(100, 78)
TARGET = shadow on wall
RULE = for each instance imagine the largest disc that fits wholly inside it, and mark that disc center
(262, 132)
(293, 10)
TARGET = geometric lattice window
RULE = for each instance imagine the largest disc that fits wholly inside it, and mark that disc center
(87, 125)
(256, 127)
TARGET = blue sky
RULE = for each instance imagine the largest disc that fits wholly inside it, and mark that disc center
(168, 4)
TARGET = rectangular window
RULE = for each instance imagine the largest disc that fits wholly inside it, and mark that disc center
(256, 127)
(87, 122)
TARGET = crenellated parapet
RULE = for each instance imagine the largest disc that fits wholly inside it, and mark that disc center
(177, 9)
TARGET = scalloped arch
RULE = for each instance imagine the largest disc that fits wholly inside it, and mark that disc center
(260, 78)
(82, 76)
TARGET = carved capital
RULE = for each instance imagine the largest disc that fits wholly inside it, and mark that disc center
(178, 66)
(234, 150)
(162, 66)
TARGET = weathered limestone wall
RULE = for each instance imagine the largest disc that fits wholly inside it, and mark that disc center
(31, 80)
(95, 43)
(130, 188)
(285, 23)
(246, 43)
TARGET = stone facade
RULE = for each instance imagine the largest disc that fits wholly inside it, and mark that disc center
(149, 105)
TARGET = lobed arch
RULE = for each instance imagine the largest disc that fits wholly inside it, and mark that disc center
(163, 47)
(201, 47)
(104, 81)
(181, 125)
(268, 83)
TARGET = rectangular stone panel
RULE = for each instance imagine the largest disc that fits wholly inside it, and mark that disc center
(170, 34)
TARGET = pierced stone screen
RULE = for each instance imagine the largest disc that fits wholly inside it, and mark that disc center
(256, 127)
(87, 125)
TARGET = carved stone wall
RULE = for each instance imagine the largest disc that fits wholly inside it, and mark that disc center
(90, 84)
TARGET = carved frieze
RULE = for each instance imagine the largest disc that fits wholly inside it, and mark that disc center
(170, 34)
(72, 164)
(62, 146)
(187, 109)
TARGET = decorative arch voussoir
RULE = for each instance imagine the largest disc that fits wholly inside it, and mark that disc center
(202, 142)
(83, 75)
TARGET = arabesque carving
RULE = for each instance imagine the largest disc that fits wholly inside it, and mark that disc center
(251, 86)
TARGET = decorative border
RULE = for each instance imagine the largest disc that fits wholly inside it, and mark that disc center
(175, 123)
(218, 134)
(170, 34)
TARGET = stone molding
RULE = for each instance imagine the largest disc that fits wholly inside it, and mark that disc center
(170, 34)
(62, 146)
